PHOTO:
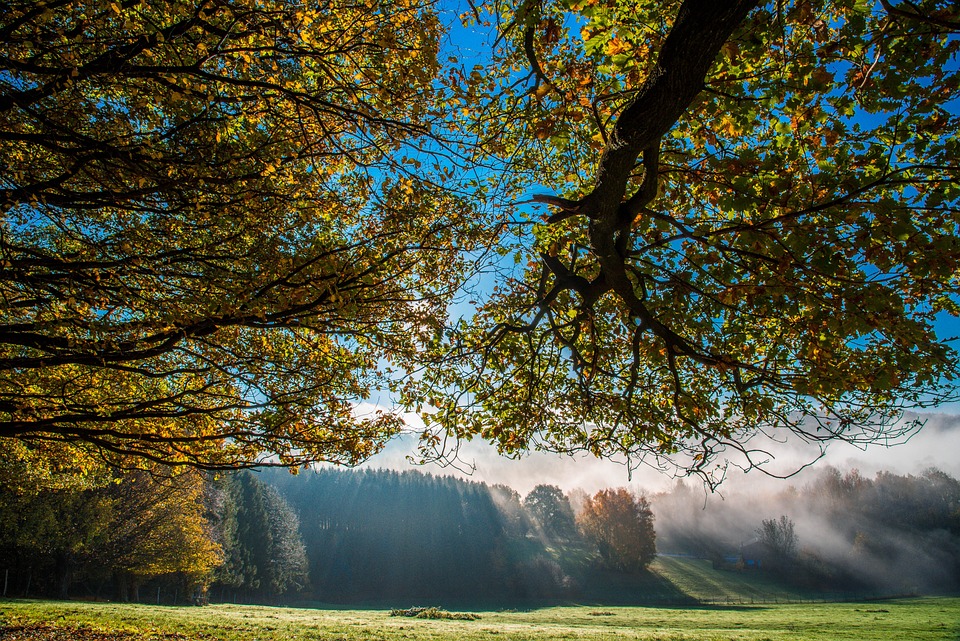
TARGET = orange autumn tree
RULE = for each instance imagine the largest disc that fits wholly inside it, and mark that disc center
(159, 529)
(214, 242)
(620, 525)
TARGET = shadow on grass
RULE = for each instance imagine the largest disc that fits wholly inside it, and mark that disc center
(595, 588)
(600, 587)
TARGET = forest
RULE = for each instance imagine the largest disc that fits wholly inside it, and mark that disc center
(355, 536)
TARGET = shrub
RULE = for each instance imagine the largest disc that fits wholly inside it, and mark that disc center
(434, 613)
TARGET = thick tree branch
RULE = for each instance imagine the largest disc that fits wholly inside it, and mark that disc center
(700, 30)
(914, 13)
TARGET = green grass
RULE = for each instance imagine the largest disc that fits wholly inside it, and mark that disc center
(924, 619)
(744, 608)
(698, 579)
(685, 581)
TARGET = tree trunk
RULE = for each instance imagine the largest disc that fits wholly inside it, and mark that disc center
(121, 587)
(62, 571)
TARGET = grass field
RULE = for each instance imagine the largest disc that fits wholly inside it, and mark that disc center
(697, 579)
(739, 607)
(924, 619)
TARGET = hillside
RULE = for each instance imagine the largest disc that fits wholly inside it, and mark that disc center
(687, 581)
(697, 579)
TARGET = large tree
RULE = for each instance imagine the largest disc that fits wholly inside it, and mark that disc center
(550, 509)
(160, 528)
(225, 220)
(213, 244)
(753, 228)
(780, 538)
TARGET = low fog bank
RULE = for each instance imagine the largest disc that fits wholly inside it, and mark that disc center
(885, 532)
(866, 518)
(933, 446)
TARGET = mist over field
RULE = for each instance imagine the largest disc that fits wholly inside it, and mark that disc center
(936, 445)
(857, 523)
(894, 533)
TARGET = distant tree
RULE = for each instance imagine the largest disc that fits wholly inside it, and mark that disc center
(780, 538)
(621, 526)
(516, 521)
(221, 509)
(250, 554)
(550, 510)
(288, 555)
(946, 491)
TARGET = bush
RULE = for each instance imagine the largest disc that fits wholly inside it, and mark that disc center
(434, 613)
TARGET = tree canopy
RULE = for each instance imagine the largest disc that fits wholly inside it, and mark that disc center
(779, 537)
(227, 223)
(551, 511)
(752, 230)
(213, 245)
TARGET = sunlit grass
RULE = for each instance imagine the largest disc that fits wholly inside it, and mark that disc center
(923, 619)
(698, 579)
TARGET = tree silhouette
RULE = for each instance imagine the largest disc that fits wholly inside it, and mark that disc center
(780, 538)
(551, 511)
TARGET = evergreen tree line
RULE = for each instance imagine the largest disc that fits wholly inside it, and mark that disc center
(373, 535)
